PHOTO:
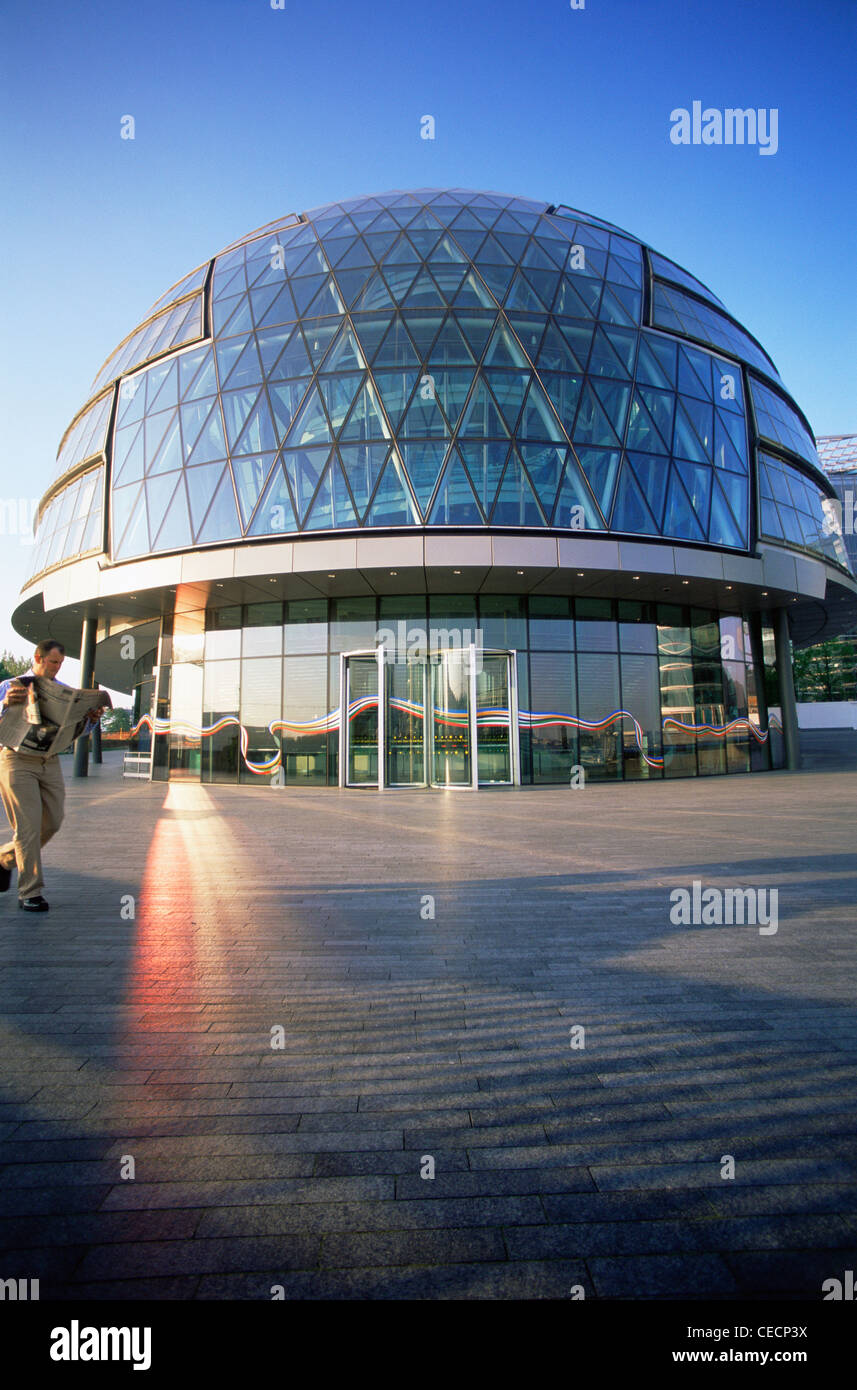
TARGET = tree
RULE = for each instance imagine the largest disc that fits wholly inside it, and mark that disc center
(13, 665)
(116, 721)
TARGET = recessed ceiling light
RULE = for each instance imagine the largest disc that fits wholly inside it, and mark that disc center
(519, 571)
(331, 576)
(272, 581)
(728, 586)
(764, 593)
(394, 572)
(685, 581)
(456, 571)
(635, 576)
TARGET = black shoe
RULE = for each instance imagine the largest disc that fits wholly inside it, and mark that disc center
(34, 904)
(5, 879)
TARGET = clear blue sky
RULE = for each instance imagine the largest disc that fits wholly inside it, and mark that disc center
(244, 112)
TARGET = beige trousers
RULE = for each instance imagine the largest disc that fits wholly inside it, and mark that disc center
(33, 794)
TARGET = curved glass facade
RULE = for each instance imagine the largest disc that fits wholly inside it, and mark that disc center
(429, 360)
(456, 690)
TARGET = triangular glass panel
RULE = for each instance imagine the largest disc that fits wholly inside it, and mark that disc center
(169, 455)
(497, 278)
(293, 360)
(447, 253)
(240, 321)
(600, 467)
(544, 464)
(392, 504)
(132, 400)
(310, 426)
(286, 397)
(450, 349)
(605, 359)
(701, 416)
(425, 417)
(258, 435)
(694, 373)
(735, 490)
(508, 389)
(685, 439)
(544, 282)
(366, 420)
(362, 464)
(371, 329)
(305, 290)
(523, 297)
(661, 407)
(196, 374)
(318, 336)
(352, 283)
(593, 425)
(476, 327)
(135, 541)
(339, 393)
(247, 370)
(270, 343)
(575, 508)
(615, 396)
(564, 392)
(201, 485)
(539, 420)
(469, 240)
(423, 293)
(516, 503)
(504, 350)
(697, 484)
(275, 514)
(261, 300)
(555, 354)
(304, 468)
(723, 529)
(467, 221)
(652, 473)
(379, 243)
(250, 475)
(455, 504)
(357, 255)
(123, 502)
(484, 463)
(374, 295)
(537, 258)
(175, 532)
(619, 305)
(680, 520)
(736, 430)
(630, 512)
(395, 389)
(236, 408)
(423, 329)
(327, 301)
(513, 243)
(396, 350)
(482, 419)
(321, 507)
(725, 453)
(345, 354)
(472, 294)
(423, 461)
(162, 386)
(642, 431)
(128, 454)
(728, 394)
(222, 522)
(399, 279)
(227, 356)
(652, 368)
(579, 338)
(577, 297)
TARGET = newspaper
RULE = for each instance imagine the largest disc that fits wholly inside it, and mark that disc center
(53, 717)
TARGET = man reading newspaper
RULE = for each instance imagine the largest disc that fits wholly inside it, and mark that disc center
(39, 717)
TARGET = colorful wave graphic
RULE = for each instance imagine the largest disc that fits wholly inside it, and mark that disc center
(459, 718)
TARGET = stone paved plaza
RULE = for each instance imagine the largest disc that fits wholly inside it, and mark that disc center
(406, 1037)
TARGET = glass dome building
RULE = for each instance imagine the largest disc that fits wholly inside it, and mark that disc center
(442, 488)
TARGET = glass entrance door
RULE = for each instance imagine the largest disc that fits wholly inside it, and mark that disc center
(361, 720)
(405, 724)
(451, 705)
(494, 720)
